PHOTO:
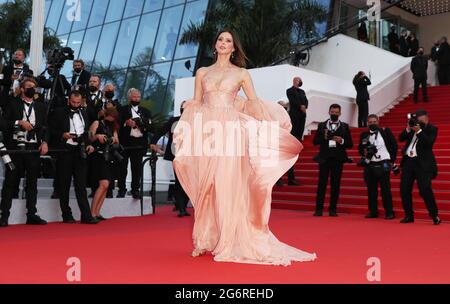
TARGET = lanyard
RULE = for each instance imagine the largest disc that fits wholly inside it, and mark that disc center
(30, 110)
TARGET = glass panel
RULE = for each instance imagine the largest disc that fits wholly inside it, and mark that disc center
(63, 40)
(124, 43)
(115, 10)
(85, 9)
(106, 43)
(173, 2)
(152, 5)
(179, 70)
(145, 40)
(155, 87)
(135, 79)
(195, 14)
(89, 45)
(75, 40)
(48, 3)
(68, 15)
(98, 12)
(55, 14)
(134, 7)
(167, 35)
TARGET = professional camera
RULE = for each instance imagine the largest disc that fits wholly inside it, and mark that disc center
(370, 151)
(111, 150)
(81, 140)
(19, 137)
(140, 124)
(5, 157)
(331, 134)
(58, 57)
(412, 120)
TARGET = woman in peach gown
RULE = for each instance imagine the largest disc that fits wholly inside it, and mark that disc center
(229, 154)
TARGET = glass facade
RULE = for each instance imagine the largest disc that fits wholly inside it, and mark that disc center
(131, 43)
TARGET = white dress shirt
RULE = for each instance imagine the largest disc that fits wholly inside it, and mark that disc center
(76, 127)
(31, 119)
(135, 132)
(412, 148)
(377, 140)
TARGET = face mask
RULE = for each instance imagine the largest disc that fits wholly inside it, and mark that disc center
(334, 117)
(422, 125)
(109, 94)
(29, 92)
(135, 103)
(78, 71)
(92, 89)
(373, 128)
(300, 84)
(74, 108)
(17, 61)
(420, 53)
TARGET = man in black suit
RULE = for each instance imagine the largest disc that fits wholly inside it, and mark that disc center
(94, 98)
(443, 61)
(419, 164)
(334, 138)
(27, 130)
(361, 82)
(56, 88)
(13, 74)
(413, 45)
(419, 68)
(134, 130)
(403, 44)
(80, 77)
(69, 127)
(298, 103)
(393, 41)
(181, 198)
(378, 148)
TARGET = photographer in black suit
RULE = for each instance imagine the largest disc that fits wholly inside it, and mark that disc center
(94, 97)
(26, 122)
(298, 103)
(419, 164)
(13, 74)
(181, 198)
(56, 87)
(80, 77)
(135, 126)
(334, 138)
(361, 82)
(378, 148)
(69, 127)
(419, 68)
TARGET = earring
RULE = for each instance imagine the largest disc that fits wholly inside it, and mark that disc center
(215, 53)
(232, 55)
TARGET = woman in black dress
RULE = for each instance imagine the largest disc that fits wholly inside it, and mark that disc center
(361, 81)
(101, 131)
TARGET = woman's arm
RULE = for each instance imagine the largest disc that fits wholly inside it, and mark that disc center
(92, 130)
(254, 107)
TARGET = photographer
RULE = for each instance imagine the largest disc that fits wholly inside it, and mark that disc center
(13, 74)
(69, 128)
(361, 82)
(56, 87)
(334, 139)
(135, 126)
(26, 130)
(419, 164)
(103, 135)
(378, 148)
(94, 97)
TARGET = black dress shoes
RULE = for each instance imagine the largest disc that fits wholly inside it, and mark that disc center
(91, 221)
(136, 194)
(293, 183)
(333, 214)
(279, 183)
(121, 194)
(69, 220)
(35, 220)
(318, 213)
(407, 220)
(389, 216)
(100, 218)
(371, 216)
(436, 220)
(3, 222)
(183, 213)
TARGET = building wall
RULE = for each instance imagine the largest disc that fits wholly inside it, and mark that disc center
(132, 43)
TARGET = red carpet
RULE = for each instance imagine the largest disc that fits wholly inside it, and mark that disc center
(353, 197)
(156, 249)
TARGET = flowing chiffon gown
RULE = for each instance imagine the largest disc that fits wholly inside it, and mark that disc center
(231, 192)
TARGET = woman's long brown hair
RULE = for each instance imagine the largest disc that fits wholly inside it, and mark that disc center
(238, 58)
(115, 114)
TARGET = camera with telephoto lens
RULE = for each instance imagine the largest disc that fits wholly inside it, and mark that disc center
(112, 151)
(58, 57)
(370, 151)
(19, 137)
(5, 157)
(81, 140)
(412, 120)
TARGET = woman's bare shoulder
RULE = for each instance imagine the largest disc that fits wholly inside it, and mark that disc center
(202, 71)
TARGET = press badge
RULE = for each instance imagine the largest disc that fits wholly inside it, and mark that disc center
(332, 144)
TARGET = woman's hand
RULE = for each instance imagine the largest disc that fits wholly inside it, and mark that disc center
(254, 108)
(90, 149)
(101, 138)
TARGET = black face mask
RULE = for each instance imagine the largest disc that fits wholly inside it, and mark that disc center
(300, 84)
(109, 94)
(74, 108)
(78, 71)
(334, 117)
(17, 61)
(29, 92)
(373, 128)
(422, 125)
(92, 89)
(420, 53)
(135, 103)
